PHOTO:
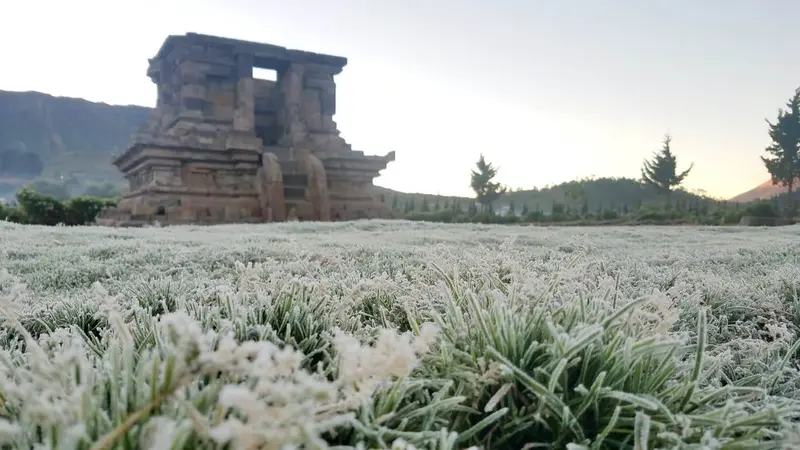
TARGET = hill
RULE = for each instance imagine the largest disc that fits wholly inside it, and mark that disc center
(764, 190)
(60, 138)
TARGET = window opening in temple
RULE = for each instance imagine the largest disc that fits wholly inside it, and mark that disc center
(160, 211)
(261, 73)
(267, 103)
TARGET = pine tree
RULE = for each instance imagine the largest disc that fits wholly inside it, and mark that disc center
(395, 201)
(436, 204)
(525, 210)
(486, 192)
(425, 207)
(512, 208)
(660, 172)
(783, 163)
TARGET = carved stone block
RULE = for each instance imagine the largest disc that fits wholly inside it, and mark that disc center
(244, 115)
(269, 182)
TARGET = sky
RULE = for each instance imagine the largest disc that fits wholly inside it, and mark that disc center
(549, 91)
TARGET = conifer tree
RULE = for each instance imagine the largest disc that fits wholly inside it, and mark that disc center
(661, 171)
(783, 162)
(512, 208)
(425, 207)
(486, 191)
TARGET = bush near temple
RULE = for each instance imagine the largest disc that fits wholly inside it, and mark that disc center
(33, 208)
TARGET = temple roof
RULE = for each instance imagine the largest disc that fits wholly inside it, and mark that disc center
(257, 49)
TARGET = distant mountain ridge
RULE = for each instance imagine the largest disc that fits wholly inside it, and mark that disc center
(71, 137)
(764, 190)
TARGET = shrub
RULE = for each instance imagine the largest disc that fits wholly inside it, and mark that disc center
(657, 215)
(733, 217)
(83, 210)
(535, 216)
(761, 209)
(37, 209)
(10, 213)
(610, 214)
(445, 216)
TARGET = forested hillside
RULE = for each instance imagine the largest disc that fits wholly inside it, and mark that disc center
(60, 138)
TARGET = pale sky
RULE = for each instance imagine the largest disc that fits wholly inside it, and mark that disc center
(548, 90)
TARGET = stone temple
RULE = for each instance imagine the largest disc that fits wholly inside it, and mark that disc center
(224, 147)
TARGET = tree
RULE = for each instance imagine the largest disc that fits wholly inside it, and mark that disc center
(486, 192)
(783, 164)
(425, 206)
(661, 171)
(512, 208)
(574, 192)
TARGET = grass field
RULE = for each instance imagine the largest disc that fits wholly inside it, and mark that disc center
(399, 335)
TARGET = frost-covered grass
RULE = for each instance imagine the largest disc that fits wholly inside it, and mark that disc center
(399, 335)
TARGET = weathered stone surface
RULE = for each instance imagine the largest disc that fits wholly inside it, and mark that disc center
(317, 184)
(244, 115)
(193, 90)
(192, 72)
(312, 110)
(201, 156)
(269, 184)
